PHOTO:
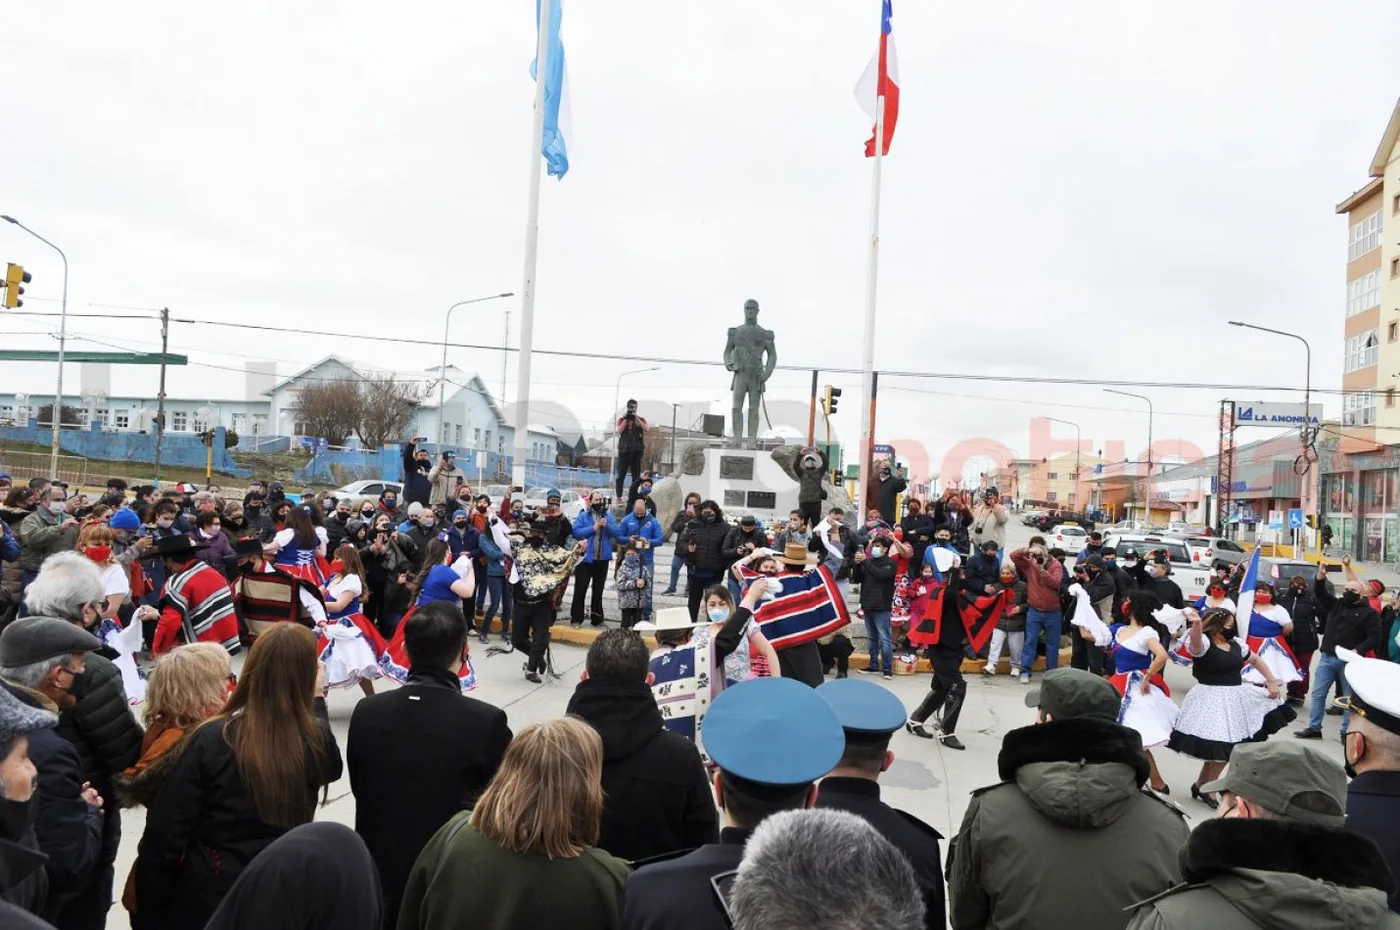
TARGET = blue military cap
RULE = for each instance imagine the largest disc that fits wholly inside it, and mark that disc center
(865, 710)
(773, 731)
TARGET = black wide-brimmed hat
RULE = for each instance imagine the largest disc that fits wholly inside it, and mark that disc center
(175, 546)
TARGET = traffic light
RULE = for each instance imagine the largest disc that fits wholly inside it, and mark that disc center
(15, 276)
(833, 394)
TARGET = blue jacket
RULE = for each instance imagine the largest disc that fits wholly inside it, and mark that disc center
(495, 558)
(464, 541)
(9, 546)
(600, 548)
(928, 558)
(648, 528)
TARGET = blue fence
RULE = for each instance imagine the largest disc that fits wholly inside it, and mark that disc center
(183, 449)
(341, 466)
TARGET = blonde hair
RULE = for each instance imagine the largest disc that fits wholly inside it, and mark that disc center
(188, 684)
(547, 797)
(96, 534)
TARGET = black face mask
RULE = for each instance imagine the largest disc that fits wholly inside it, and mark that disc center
(460, 524)
(708, 517)
(1350, 597)
(15, 819)
(254, 507)
(599, 508)
(342, 517)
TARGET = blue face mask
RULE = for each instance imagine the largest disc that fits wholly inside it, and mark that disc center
(718, 614)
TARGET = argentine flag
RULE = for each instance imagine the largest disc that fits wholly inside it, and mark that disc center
(556, 91)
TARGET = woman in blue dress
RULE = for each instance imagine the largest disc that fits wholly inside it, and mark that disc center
(1139, 656)
(437, 581)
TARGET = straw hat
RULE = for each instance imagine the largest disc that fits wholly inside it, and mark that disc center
(668, 618)
(797, 554)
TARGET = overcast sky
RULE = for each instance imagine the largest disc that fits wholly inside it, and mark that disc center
(1084, 189)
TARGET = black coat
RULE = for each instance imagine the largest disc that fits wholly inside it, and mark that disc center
(22, 879)
(676, 894)
(708, 539)
(918, 532)
(981, 570)
(416, 486)
(886, 490)
(1355, 626)
(417, 756)
(100, 724)
(736, 537)
(876, 580)
(204, 829)
(910, 835)
(1303, 609)
(335, 533)
(69, 829)
(1373, 809)
(657, 797)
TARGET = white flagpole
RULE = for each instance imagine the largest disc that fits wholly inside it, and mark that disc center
(532, 240)
(867, 366)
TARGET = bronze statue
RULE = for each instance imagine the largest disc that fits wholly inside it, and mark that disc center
(751, 355)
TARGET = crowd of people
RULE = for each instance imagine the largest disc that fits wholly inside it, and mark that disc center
(718, 779)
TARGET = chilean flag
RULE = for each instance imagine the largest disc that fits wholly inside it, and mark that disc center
(881, 79)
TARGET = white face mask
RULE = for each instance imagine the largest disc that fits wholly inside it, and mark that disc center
(165, 523)
(57, 506)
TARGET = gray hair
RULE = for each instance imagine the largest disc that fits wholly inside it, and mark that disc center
(202, 496)
(66, 581)
(823, 869)
(32, 675)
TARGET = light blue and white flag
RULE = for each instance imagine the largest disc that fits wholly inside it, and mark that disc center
(556, 92)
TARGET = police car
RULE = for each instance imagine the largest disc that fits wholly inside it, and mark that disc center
(1190, 575)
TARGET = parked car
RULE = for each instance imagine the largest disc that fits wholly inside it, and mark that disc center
(1211, 551)
(367, 489)
(497, 492)
(1030, 516)
(571, 503)
(1069, 537)
(1131, 526)
(1053, 518)
(1179, 526)
(1282, 571)
(1191, 576)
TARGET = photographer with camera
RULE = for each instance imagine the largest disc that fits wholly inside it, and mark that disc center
(989, 520)
(631, 439)
(417, 488)
(444, 477)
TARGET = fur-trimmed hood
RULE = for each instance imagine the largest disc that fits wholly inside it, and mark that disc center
(1080, 773)
(1289, 875)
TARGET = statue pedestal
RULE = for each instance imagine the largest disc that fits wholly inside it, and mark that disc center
(744, 481)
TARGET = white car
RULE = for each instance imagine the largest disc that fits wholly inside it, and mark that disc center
(571, 503)
(1190, 575)
(1211, 551)
(1178, 527)
(367, 489)
(1068, 537)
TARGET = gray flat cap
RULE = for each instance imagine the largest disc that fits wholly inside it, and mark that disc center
(18, 718)
(35, 639)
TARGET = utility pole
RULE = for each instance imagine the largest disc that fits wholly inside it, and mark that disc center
(812, 413)
(675, 408)
(160, 396)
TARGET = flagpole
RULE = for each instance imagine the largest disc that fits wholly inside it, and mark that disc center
(867, 368)
(532, 240)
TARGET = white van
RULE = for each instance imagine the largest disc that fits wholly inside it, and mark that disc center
(1190, 575)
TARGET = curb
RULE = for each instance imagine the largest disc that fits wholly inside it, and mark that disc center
(969, 666)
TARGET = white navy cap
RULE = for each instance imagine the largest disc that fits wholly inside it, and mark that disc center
(1375, 689)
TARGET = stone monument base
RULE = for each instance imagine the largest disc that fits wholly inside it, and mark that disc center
(743, 481)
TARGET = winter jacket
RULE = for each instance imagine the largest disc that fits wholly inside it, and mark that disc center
(918, 532)
(1354, 626)
(1279, 874)
(1042, 581)
(465, 541)
(1013, 619)
(981, 570)
(631, 436)
(886, 491)
(495, 558)
(23, 882)
(600, 543)
(100, 724)
(416, 540)
(41, 534)
(444, 478)
(335, 532)
(259, 523)
(648, 528)
(68, 828)
(1373, 809)
(416, 756)
(1101, 593)
(809, 480)
(708, 539)
(12, 517)
(736, 537)
(9, 544)
(676, 530)
(1069, 838)
(1303, 609)
(215, 552)
(204, 829)
(989, 523)
(657, 798)
(876, 580)
(464, 879)
(629, 596)
(958, 523)
(417, 489)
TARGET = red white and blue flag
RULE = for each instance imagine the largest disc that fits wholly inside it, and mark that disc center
(809, 607)
(881, 79)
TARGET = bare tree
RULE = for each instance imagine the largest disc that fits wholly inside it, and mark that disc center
(386, 409)
(329, 410)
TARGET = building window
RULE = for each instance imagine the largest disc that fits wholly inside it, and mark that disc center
(1054, 476)
(1050, 496)
(7, 413)
(179, 421)
(457, 431)
(476, 438)
(121, 419)
(101, 417)
(1393, 332)
(1359, 409)
(500, 442)
(488, 439)
(1360, 351)
(446, 427)
(1395, 204)
(1364, 293)
(1365, 236)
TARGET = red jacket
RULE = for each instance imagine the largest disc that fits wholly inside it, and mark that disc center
(1042, 581)
(196, 606)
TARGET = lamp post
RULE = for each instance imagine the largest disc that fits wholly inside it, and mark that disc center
(617, 392)
(1146, 485)
(1075, 485)
(62, 345)
(442, 372)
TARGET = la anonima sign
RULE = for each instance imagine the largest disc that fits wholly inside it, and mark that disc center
(1256, 414)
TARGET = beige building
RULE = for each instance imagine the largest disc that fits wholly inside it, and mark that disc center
(1061, 481)
(1371, 333)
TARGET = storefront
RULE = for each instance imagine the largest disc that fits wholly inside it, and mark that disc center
(1361, 508)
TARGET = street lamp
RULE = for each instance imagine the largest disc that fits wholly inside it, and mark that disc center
(62, 345)
(1307, 382)
(442, 372)
(1146, 485)
(1075, 485)
(617, 392)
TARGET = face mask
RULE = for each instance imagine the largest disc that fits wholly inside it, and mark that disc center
(708, 517)
(718, 614)
(1261, 597)
(943, 540)
(631, 556)
(165, 523)
(876, 552)
(253, 507)
(390, 503)
(1130, 563)
(426, 522)
(98, 553)
(342, 516)
(599, 507)
(1155, 571)
(57, 506)
(1350, 597)
(459, 523)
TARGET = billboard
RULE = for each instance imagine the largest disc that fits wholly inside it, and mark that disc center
(1253, 413)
